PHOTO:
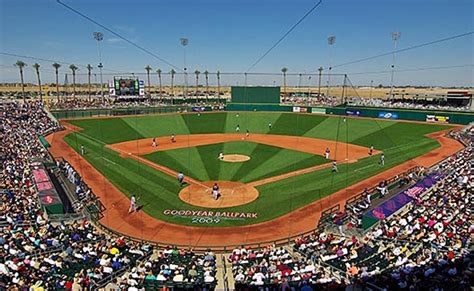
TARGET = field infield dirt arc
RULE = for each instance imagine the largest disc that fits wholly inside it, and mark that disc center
(143, 226)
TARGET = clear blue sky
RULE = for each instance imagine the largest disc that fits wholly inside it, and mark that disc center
(228, 35)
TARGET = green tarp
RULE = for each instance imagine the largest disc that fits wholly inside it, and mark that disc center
(43, 141)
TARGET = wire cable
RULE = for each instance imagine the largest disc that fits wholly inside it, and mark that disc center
(413, 69)
(118, 35)
(406, 49)
(284, 35)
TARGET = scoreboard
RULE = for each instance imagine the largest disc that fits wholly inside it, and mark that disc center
(126, 88)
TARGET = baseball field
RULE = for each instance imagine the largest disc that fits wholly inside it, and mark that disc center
(284, 168)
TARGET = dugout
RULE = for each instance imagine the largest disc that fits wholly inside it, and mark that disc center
(244, 94)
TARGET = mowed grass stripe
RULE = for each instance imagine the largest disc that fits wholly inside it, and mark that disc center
(254, 122)
(154, 126)
(109, 130)
(295, 124)
(259, 154)
(205, 123)
(296, 164)
(228, 170)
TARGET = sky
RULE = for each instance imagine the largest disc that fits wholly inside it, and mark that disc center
(229, 35)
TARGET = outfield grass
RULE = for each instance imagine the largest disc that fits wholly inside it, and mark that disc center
(400, 141)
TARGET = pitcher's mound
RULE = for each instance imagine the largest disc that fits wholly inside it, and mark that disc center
(232, 194)
(235, 158)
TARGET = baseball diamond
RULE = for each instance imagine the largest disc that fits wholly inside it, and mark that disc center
(285, 189)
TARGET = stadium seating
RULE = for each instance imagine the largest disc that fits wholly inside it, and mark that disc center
(424, 246)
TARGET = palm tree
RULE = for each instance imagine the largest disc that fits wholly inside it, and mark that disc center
(320, 70)
(20, 65)
(218, 86)
(206, 73)
(172, 72)
(148, 69)
(56, 71)
(197, 81)
(284, 70)
(158, 72)
(37, 66)
(73, 68)
(89, 70)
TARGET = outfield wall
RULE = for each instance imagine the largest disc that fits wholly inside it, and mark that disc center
(383, 113)
(61, 114)
(251, 94)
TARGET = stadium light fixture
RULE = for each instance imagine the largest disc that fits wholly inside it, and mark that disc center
(184, 42)
(395, 37)
(99, 36)
(331, 42)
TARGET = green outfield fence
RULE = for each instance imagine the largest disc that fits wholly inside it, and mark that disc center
(382, 113)
(250, 94)
(61, 114)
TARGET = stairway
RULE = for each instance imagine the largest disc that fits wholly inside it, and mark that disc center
(224, 273)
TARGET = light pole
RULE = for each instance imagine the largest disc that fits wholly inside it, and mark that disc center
(331, 41)
(184, 42)
(395, 36)
(99, 36)
(371, 87)
(320, 70)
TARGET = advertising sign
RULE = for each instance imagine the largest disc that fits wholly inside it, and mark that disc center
(392, 205)
(318, 110)
(437, 118)
(388, 115)
(353, 112)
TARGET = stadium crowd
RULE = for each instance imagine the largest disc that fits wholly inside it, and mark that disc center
(38, 254)
(423, 247)
(406, 104)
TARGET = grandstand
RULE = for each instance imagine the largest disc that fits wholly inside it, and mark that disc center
(302, 178)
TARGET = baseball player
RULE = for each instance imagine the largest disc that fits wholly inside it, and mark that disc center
(371, 150)
(153, 144)
(382, 160)
(133, 204)
(344, 119)
(247, 133)
(237, 128)
(180, 179)
(221, 156)
(173, 138)
(334, 167)
(269, 126)
(327, 153)
(83, 150)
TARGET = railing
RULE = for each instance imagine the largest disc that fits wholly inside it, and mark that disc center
(371, 190)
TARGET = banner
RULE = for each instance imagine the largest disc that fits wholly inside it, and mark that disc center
(395, 203)
(388, 115)
(199, 109)
(318, 110)
(353, 113)
(296, 109)
(437, 118)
